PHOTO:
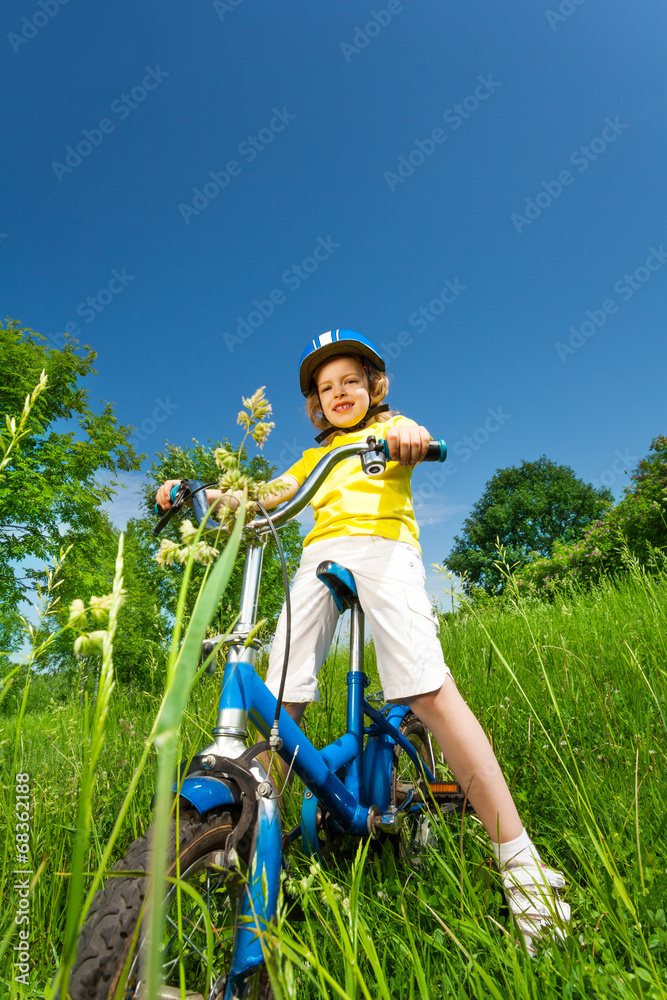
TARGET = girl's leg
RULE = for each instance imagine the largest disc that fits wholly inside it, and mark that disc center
(314, 618)
(527, 882)
(471, 759)
(296, 710)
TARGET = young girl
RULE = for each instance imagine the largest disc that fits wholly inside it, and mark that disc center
(367, 525)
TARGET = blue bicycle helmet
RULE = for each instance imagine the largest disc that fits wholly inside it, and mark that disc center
(333, 343)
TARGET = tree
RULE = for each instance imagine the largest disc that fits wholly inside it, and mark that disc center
(527, 509)
(140, 640)
(51, 479)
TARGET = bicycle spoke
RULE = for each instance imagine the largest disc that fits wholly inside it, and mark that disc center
(190, 946)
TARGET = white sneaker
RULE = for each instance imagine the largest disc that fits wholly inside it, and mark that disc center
(536, 908)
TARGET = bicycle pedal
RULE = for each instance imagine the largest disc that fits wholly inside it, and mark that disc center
(448, 794)
(445, 788)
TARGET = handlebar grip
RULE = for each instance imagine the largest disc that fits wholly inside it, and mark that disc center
(437, 451)
(172, 496)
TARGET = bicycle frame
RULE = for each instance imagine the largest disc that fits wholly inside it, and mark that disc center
(357, 803)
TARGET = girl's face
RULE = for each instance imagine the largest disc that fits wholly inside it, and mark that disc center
(343, 390)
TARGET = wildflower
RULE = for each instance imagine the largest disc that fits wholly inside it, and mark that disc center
(258, 404)
(77, 613)
(233, 480)
(224, 458)
(101, 606)
(88, 643)
(261, 432)
(169, 553)
(204, 554)
(187, 532)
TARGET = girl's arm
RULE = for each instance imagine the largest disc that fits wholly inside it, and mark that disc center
(217, 497)
(281, 489)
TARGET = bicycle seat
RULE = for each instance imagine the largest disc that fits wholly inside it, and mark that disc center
(340, 582)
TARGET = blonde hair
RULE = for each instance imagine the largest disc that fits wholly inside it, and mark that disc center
(379, 387)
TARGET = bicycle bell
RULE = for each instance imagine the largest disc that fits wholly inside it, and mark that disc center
(373, 461)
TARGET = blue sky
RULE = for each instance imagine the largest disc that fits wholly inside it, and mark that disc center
(483, 183)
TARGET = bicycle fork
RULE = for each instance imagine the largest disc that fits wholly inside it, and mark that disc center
(260, 898)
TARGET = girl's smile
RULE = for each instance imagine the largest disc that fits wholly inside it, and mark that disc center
(343, 391)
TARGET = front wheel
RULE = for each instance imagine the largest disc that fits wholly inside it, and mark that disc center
(109, 956)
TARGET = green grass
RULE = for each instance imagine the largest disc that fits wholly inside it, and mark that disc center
(573, 696)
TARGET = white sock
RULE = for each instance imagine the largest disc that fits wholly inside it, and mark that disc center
(516, 852)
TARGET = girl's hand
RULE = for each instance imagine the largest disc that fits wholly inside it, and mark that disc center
(162, 497)
(408, 443)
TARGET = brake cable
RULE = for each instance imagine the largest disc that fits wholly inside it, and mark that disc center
(275, 742)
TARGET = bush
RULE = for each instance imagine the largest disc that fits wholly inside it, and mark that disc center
(634, 531)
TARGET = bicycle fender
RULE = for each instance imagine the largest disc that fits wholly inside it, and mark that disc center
(378, 760)
(206, 792)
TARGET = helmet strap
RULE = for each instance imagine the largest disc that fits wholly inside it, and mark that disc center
(372, 412)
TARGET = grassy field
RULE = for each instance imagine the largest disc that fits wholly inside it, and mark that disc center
(574, 698)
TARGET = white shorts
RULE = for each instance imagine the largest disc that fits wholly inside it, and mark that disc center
(390, 581)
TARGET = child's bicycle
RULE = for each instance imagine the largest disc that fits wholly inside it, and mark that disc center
(378, 780)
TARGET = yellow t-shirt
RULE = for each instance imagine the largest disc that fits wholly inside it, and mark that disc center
(352, 503)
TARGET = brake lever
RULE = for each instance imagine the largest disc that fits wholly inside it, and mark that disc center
(179, 500)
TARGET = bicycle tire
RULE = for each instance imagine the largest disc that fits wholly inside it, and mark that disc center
(110, 941)
(416, 835)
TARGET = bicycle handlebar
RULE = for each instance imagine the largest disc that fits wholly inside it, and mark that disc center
(374, 455)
